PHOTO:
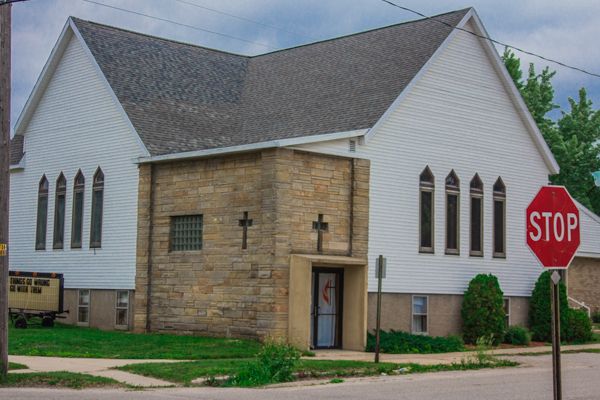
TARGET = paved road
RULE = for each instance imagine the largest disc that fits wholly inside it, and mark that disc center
(531, 381)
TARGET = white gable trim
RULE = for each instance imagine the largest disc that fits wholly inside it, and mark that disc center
(43, 79)
(254, 146)
(516, 97)
(498, 65)
(108, 87)
(394, 106)
(55, 56)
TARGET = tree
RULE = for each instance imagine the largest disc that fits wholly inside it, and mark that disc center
(577, 152)
(572, 139)
(483, 310)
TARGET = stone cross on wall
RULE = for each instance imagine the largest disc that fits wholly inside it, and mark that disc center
(320, 227)
(245, 223)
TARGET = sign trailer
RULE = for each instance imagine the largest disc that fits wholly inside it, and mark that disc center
(34, 294)
(553, 236)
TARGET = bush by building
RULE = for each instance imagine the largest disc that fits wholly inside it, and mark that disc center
(483, 310)
(518, 336)
(579, 326)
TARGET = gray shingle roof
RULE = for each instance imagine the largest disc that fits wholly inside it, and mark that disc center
(181, 97)
(16, 149)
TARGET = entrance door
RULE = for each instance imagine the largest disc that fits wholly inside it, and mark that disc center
(326, 314)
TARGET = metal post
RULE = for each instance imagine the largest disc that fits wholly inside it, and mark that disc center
(5, 27)
(378, 324)
(555, 291)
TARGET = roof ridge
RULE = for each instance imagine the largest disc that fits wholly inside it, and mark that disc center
(75, 19)
(365, 31)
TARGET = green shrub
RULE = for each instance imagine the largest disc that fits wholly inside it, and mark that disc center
(396, 342)
(274, 363)
(579, 326)
(540, 309)
(596, 317)
(517, 335)
(483, 310)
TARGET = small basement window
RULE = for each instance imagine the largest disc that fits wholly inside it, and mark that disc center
(419, 314)
(186, 233)
(506, 312)
(122, 308)
(83, 307)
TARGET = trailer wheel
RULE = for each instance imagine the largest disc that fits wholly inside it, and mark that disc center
(20, 322)
(47, 321)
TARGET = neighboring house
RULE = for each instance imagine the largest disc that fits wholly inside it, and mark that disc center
(180, 188)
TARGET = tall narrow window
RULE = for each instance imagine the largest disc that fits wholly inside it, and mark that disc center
(97, 205)
(419, 314)
(77, 220)
(426, 188)
(83, 307)
(476, 216)
(506, 312)
(42, 215)
(499, 219)
(452, 214)
(122, 309)
(59, 212)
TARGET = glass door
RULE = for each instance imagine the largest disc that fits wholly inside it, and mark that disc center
(326, 308)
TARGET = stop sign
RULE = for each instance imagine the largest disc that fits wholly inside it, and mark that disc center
(553, 227)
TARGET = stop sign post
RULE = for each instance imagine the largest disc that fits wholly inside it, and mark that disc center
(553, 235)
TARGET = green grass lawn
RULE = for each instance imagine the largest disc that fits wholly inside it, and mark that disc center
(57, 379)
(12, 366)
(73, 341)
(185, 372)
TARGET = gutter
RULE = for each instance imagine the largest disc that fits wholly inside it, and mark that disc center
(252, 147)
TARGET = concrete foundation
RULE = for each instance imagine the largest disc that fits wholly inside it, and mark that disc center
(443, 315)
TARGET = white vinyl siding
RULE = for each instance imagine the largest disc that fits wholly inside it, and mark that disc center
(457, 116)
(76, 125)
(590, 233)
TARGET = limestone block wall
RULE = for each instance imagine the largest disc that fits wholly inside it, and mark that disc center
(223, 289)
(584, 281)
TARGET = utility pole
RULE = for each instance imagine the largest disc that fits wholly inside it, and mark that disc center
(5, 39)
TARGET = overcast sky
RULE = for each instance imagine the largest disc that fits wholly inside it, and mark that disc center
(564, 30)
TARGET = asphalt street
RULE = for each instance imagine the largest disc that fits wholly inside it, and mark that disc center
(531, 381)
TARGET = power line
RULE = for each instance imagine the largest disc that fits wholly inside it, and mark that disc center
(245, 19)
(493, 40)
(197, 28)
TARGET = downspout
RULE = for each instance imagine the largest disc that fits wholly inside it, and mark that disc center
(149, 252)
(351, 213)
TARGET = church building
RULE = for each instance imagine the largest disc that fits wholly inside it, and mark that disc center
(185, 189)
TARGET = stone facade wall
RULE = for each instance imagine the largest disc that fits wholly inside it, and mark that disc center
(443, 317)
(223, 289)
(584, 281)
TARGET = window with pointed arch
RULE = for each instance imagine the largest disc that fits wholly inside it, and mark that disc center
(476, 228)
(499, 196)
(97, 209)
(42, 214)
(426, 211)
(59, 212)
(452, 213)
(77, 219)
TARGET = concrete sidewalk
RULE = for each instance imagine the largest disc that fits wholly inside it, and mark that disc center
(103, 367)
(92, 366)
(441, 358)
